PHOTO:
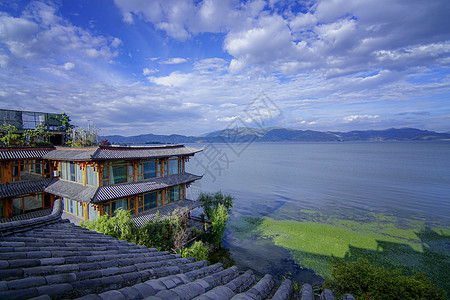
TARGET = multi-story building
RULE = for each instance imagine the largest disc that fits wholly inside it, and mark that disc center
(94, 181)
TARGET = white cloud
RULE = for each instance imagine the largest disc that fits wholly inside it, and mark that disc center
(68, 66)
(173, 61)
(29, 37)
(227, 119)
(359, 118)
(147, 71)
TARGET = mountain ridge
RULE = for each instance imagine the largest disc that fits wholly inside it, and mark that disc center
(278, 134)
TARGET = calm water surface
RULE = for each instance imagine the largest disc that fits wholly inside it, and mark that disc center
(407, 180)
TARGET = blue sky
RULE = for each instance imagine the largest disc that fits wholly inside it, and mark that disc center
(191, 67)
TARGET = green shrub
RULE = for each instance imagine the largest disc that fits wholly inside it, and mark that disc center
(157, 234)
(198, 250)
(366, 281)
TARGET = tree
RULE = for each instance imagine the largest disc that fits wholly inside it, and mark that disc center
(38, 135)
(212, 201)
(65, 122)
(81, 137)
(9, 136)
(219, 218)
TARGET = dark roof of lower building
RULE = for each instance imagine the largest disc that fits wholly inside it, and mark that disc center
(115, 153)
(91, 194)
(165, 211)
(28, 215)
(72, 190)
(24, 187)
(52, 259)
(24, 153)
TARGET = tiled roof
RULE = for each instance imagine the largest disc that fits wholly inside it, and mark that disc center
(134, 188)
(50, 259)
(24, 187)
(72, 190)
(110, 153)
(23, 153)
(72, 154)
(29, 215)
(91, 194)
(164, 211)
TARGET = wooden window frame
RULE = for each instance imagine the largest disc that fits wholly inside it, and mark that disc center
(32, 163)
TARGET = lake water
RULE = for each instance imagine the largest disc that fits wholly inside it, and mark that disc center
(404, 180)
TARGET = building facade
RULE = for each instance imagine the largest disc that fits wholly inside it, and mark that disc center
(94, 181)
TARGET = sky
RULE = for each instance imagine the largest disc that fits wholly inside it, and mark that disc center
(133, 67)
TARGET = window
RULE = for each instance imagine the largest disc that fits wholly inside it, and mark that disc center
(149, 169)
(27, 204)
(117, 172)
(92, 212)
(63, 170)
(91, 176)
(79, 170)
(112, 206)
(29, 170)
(173, 166)
(71, 206)
(131, 205)
(80, 211)
(140, 204)
(174, 194)
(150, 201)
(72, 171)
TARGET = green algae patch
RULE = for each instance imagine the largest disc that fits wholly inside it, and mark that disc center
(331, 239)
(410, 246)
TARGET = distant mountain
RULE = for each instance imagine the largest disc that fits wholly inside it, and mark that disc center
(276, 134)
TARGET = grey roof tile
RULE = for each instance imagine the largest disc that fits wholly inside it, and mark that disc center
(306, 292)
(25, 283)
(61, 278)
(134, 188)
(110, 153)
(285, 290)
(131, 293)
(90, 297)
(22, 188)
(91, 194)
(112, 295)
(242, 283)
(11, 273)
(24, 153)
(19, 294)
(168, 295)
(54, 289)
(71, 154)
(72, 190)
(193, 289)
(327, 295)
(144, 289)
